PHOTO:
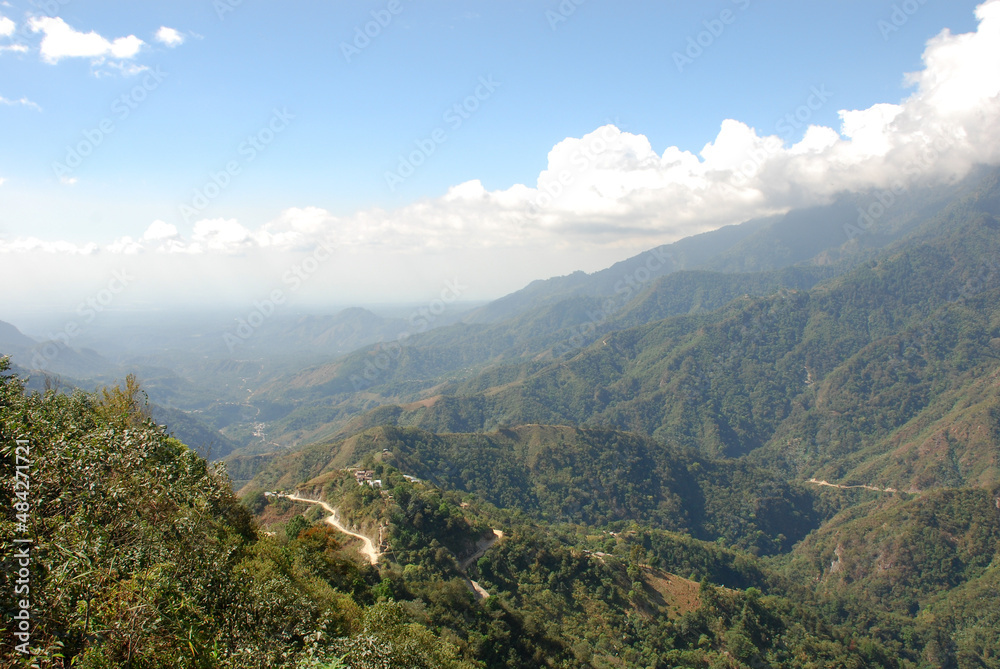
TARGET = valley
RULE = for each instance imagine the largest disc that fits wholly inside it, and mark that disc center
(746, 464)
(500, 335)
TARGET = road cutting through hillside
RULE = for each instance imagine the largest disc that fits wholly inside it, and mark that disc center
(481, 548)
(369, 546)
(849, 487)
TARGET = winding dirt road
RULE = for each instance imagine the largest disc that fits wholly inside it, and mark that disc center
(849, 487)
(369, 546)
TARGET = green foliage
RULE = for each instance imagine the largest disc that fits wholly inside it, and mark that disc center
(295, 526)
(811, 382)
(388, 641)
(143, 557)
(924, 567)
(562, 474)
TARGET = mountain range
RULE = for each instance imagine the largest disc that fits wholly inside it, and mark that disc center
(773, 444)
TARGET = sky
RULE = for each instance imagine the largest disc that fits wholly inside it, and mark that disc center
(226, 152)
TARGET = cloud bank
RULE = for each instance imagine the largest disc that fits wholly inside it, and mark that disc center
(613, 189)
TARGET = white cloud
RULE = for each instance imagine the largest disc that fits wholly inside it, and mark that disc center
(221, 235)
(25, 102)
(296, 229)
(125, 246)
(7, 27)
(612, 189)
(62, 41)
(169, 36)
(164, 237)
(959, 70)
(159, 231)
(2, 181)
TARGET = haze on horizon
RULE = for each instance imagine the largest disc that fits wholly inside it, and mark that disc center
(207, 154)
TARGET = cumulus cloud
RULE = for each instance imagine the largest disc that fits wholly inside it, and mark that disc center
(62, 41)
(611, 188)
(160, 231)
(225, 235)
(126, 246)
(164, 237)
(169, 37)
(7, 28)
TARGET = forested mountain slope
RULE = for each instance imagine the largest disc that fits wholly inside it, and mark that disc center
(583, 477)
(592, 477)
(818, 382)
(936, 247)
(821, 235)
(141, 556)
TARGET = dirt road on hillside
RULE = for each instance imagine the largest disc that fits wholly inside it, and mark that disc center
(369, 546)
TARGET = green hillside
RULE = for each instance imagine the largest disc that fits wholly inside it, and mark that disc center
(142, 557)
(818, 383)
(835, 295)
(727, 408)
(781, 451)
(590, 477)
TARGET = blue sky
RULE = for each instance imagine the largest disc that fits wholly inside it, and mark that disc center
(333, 117)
